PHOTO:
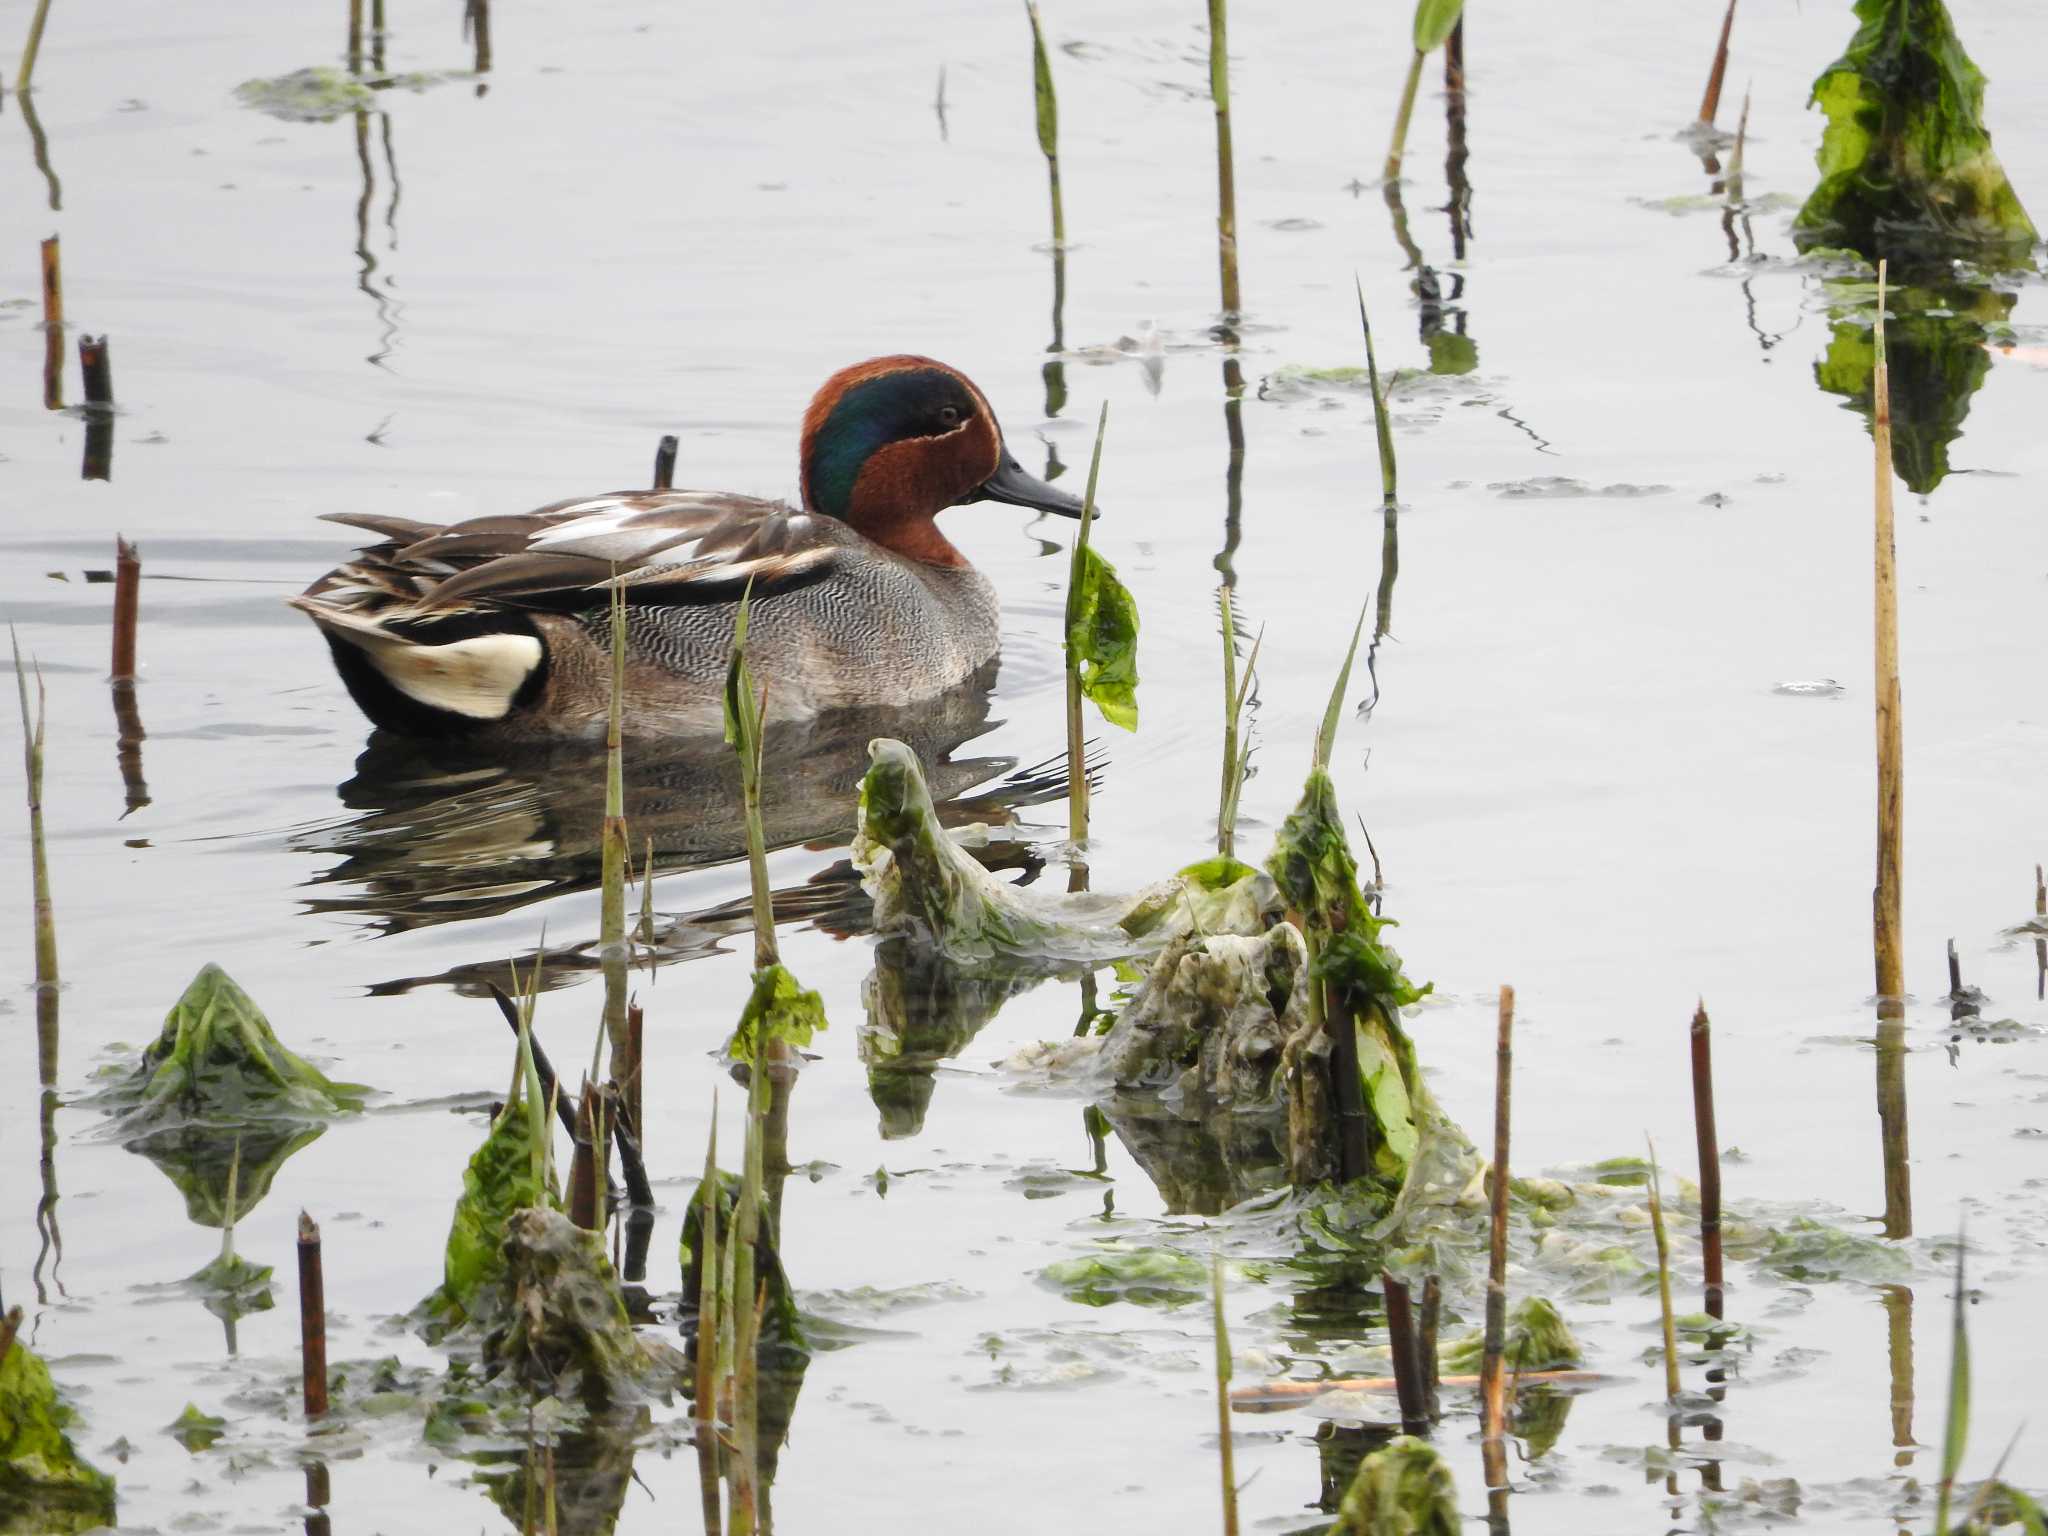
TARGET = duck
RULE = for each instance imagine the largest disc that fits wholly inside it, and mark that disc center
(498, 627)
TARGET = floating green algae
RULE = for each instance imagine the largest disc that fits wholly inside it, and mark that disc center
(323, 94)
(45, 1486)
(196, 1429)
(214, 1080)
(1538, 1339)
(1805, 1249)
(1403, 1489)
(927, 886)
(1113, 1272)
(1906, 162)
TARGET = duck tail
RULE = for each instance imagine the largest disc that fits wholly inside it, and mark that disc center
(445, 677)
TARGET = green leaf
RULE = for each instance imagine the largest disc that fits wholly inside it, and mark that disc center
(1906, 162)
(778, 1009)
(45, 1486)
(194, 1430)
(1041, 90)
(1434, 21)
(1102, 639)
(499, 1180)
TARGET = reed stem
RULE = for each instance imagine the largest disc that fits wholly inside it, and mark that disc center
(1710, 101)
(127, 588)
(1226, 172)
(1383, 431)
(31, 48)
(1663, 1279)
(1886, 903)
(586, 1201)
(44, 909)
(355, 37)
(1710, 1156)
(1226, 1451)
(1401, 1343)
(312, 1319)
(1077, 747)
(1491, 1390)
(1432, 1315)
(53, 323)
(665, 462)
(1391, 171)
(612, 948)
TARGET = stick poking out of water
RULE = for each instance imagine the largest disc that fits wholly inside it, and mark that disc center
(1663, 1277)
(127, 588)
(312, 1318)
(1226, 166)
(1401, 1343)
(1710, 1155)
(53, 324)
(1492, 1408)
(1710, 102)
(665, 462)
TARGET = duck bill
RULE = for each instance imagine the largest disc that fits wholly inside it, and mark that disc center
(1016, 486)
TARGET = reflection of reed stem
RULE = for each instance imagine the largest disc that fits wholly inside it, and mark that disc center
(377, 35)
(1425, 1336)
(1226, 173)
(53, 324)
(39, 860)
(1898, 1312)
(41, 145)
(1391, 171)
(1491, 1383)
(1233, 469)
(1460, 205)
(476, 26)
(32, 47)
(612, 901)
(1891, 985)
(1710, 1155)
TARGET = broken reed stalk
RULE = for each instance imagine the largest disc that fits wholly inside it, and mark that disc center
(1492, 1408)
(1710, 1155)
(1048, 111)
(586, 1204)
(611, 923)
(45, 912)
(1226, 171)
(312, 1319)
(355, 37)
(1226, 1451)
(1432, 1315)
(629, 1080)
(1077, 751)
(1236, 745)
(1663, 1278)
(31, 48)
(1401, 1344)
(53, 323)
(96, 370)
(665, 462)
(127, 588)
(531, 1055)
(1383, 431)
(1886, 904)
(1710, 101)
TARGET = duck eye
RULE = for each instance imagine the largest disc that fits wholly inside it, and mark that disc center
(949, 415)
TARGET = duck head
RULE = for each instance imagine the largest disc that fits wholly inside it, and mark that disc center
(890, 443)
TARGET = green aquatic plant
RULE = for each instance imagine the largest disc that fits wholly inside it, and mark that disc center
(926, 885)
(503, 1177)
(321, 95)
(563, 1326)
(1155, 1277)
(45, 1485)
(1537, 1339)
(1435, 20)
(781, 1324)
(1403, 1489)
(196, 1430)
(779, 1013)
(1906, 162)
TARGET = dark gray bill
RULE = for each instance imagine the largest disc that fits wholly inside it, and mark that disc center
(1014, 484)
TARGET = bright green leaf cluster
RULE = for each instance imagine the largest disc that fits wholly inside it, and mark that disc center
(499, 1180)
(779, 1009)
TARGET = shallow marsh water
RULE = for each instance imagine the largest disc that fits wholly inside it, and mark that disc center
(1588, 772)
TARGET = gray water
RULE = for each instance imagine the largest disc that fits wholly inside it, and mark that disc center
(1586, 773)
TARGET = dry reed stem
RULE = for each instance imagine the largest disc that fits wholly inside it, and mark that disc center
(1710, 1155)
(1492, 1408)
(355, 37)
(53, 324)
(127, 588)
(1432, 1313)
(1886, 903)
(312, 1319)
(1710, 101)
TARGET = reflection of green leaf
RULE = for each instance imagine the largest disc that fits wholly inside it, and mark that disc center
(1434, 21)
(781, 1326)
(1102, 638)
(44, 1485)
(1453, 353)
(1906, 162)
(1403, 1489)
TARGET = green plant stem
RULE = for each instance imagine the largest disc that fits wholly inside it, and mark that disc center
(1226, 1451)
(1663, 1279)
(1383, 431)
(32, 47)
(1392, 170)
(1226, 174)
(612, 908)
(1226, 828)
(45, 912)
(1955, 1436)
